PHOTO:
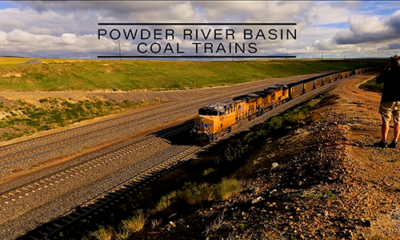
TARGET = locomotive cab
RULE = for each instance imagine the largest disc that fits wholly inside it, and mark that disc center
(213, 121)
(205, 123)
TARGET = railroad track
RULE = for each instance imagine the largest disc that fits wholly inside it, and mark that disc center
(49, 180)
(87, 136)
(118, 193)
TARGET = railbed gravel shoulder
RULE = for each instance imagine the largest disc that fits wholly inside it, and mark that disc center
(74, 192)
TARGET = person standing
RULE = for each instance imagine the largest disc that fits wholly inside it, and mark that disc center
(390, 102)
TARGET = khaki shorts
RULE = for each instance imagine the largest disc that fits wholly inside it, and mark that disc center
(387, 109)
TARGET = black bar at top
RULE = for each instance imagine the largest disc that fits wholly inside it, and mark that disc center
(196, 56)
(196, 24)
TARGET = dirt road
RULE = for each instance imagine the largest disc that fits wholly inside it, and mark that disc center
(375, 192)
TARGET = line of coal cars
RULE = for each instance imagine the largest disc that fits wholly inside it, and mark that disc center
(215, 120)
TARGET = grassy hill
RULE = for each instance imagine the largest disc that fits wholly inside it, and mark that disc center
(125, 75)
(372, 86)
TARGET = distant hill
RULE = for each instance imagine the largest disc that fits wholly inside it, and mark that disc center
(33, 61)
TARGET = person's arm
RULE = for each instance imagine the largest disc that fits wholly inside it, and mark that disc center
(381, 78)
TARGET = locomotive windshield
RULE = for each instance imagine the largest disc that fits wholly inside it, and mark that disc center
(202, 111)
(208, 112)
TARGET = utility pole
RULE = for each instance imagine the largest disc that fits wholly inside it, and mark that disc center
(119, 46)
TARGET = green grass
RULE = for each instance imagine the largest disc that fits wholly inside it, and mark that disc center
(103, 233)
(208, 171)
(165, 201)
(134, 224)
(228, 188)
(197, 193)
(58, 75)
(323, 194)
(372, 86)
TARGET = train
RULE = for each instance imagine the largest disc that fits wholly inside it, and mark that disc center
(215, 120)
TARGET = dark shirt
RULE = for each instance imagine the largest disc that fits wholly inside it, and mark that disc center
(391, 88)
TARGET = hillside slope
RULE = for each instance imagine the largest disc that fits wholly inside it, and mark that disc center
(61, 75)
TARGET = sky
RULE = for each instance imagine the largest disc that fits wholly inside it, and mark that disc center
(68, 29)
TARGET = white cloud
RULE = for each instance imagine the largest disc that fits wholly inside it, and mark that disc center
(19, 36)
(326, 44)
(370, 29)
(327, 13)
(18, 40)
(69, 38)
(3, 39)
(39, 30)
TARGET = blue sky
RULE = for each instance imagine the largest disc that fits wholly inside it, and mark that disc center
(342, 25)
(6, 4)
(380, 7)
(69, 28)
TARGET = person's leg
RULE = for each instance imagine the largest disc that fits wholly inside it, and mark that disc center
(385, 130)
(396, 118)
(386, 113)
(396, 131)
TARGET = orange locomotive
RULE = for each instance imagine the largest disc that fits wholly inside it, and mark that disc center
(218, 119)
